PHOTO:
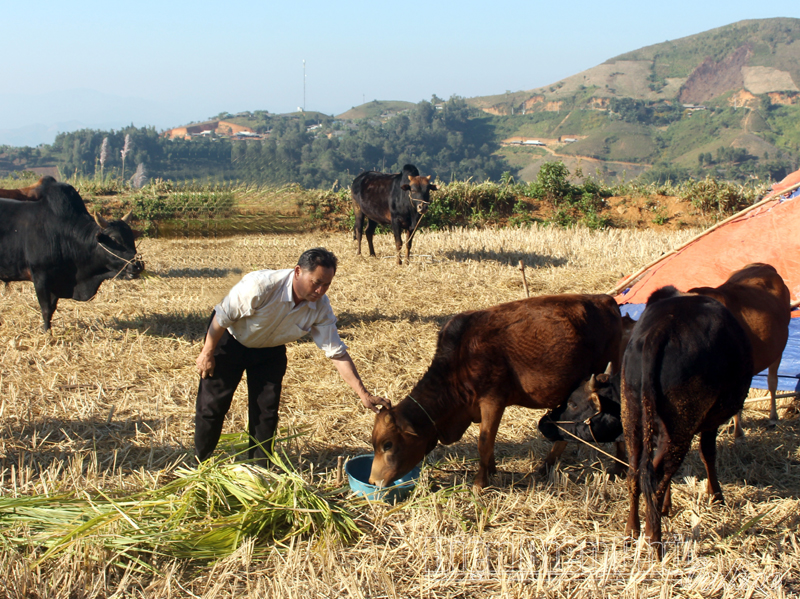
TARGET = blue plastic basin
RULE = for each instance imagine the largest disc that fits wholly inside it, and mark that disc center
(358, 470)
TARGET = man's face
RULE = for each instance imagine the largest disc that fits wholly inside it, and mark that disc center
(310, 285)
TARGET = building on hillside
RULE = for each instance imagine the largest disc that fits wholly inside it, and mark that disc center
(522, 141)
(221, 128)
(570, 138)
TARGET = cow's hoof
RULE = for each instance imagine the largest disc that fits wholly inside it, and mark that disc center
(480, 483)
(630, 538)
(772, 423)
(616, 474)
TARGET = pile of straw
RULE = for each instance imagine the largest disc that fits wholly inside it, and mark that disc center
(104, 406)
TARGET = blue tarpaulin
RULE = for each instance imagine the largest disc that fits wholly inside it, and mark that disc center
(788, 371)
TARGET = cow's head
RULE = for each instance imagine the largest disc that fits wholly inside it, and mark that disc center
(419, 189)
(398, 447)
(592, 413)
(117, 241)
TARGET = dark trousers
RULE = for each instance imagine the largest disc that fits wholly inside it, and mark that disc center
(265, 368)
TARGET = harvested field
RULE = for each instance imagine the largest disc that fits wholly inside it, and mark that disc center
(106, 402)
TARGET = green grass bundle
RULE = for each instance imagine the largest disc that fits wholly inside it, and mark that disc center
(204, 513)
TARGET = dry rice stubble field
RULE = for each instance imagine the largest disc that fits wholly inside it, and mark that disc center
(106, 402)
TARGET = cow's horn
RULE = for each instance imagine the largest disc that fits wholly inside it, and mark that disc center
(608, 369)
(592, 385)
(127, 217)
(102, 223)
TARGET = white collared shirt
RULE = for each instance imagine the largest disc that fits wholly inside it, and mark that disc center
(259, 311)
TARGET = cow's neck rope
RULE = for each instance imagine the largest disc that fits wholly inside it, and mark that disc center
(413, 207)
(438, 434)
(128, 262)
(419, 220)
(595, 447)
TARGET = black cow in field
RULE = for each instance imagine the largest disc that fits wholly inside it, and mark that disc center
(398, 199)
(686, 370)
(53, 241)
(591, 414)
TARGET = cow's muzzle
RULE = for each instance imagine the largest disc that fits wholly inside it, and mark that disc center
(135, 268)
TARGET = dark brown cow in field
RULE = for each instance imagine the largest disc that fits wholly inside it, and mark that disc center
(759, 299)
(398, 199)
(686, 370)
(529, 353)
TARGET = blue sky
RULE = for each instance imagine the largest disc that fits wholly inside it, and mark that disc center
(105, 64)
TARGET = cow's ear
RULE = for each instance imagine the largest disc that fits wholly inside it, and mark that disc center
(432, 187)
(405, 187)
(101, 222)
(405, 427)
(594, 398)
(136, 234)
(603, 378)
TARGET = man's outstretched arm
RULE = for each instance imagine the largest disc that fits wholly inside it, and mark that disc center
(347, 370)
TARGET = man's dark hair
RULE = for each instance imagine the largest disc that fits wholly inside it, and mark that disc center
(314, 257)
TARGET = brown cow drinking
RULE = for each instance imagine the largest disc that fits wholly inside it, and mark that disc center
(530, 353)
(759, 300)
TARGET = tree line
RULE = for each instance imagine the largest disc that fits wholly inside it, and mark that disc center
(450, 141)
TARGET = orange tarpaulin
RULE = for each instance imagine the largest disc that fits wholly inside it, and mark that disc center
(788, 182)
(769, 233)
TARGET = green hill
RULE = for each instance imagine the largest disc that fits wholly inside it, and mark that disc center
(729, 90)
(376, 109)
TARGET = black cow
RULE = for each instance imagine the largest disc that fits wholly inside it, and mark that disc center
(686, 370)
(591, 414)
(399, 199)
(53, 241)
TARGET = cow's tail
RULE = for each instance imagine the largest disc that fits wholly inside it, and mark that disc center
(652, 354)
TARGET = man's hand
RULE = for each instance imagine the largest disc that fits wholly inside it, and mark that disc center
(374, 403)
(347, 370)
(205, 361)
(205, 364)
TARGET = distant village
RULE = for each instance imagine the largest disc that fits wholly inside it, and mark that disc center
(216, 128)
(228, 129)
